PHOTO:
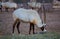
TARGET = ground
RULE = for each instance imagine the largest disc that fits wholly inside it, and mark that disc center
(6, 23)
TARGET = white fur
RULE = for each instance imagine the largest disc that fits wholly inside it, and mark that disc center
(34, 4)
(9, 5)
(28, 15)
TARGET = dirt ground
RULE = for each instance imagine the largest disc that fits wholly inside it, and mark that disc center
(6, 22)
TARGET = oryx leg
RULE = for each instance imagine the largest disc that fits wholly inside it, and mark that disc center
(14, 25)
(18, 27)
(31, 27)
(6, 9)
(1, 8)
(14, 8)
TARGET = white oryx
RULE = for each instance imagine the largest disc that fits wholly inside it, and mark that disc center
(27, 16)
(34, 4)
(9, 5)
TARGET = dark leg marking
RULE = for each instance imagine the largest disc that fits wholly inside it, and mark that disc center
(14, 8)
(18, 27)
(6, 9)
(14, 25)
(1, 8)
(33, 29)
(30, 29)
(31, 26)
